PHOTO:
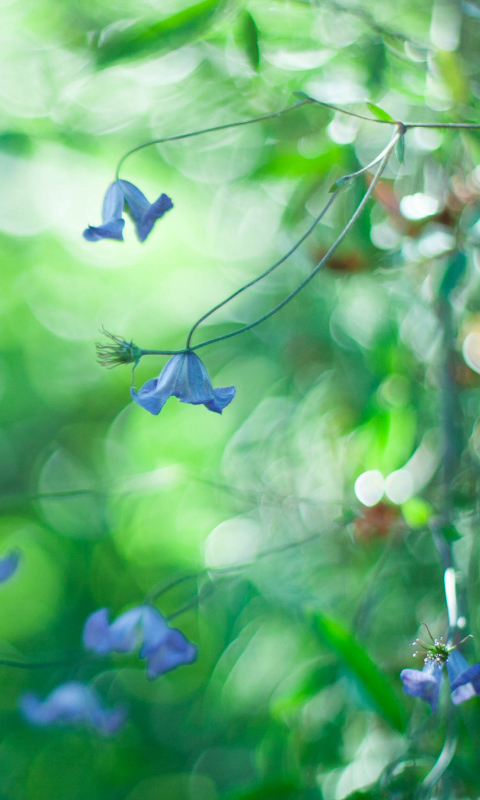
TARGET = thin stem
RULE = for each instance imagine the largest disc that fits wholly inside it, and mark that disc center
(343, 180)
(210, 130)
(466, 125)
(444, 759)
(344, 111)
(314, 272)
(269, 270)
(320, 264)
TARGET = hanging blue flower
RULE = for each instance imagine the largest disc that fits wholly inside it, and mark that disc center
(143, 214)
(185, 377)
(164, 648)
(426, 683)
(71, 703)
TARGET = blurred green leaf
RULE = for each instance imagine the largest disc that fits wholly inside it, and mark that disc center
(166, 35)
(378, 112)
(453, 274)
(247, 38)
(451, 534)
(375, 683)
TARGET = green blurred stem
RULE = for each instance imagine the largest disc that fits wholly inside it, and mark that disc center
(444, 759)
(210, 130)
(314, 272)
(163, 588)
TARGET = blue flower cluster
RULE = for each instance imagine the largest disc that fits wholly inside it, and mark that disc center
(164, 648)
(426, 683)
(143, 214)
(75, 703)
(185, 377)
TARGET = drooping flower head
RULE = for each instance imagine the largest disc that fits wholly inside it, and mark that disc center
(71, 703)
(185, 377)
(8, 565)
(164, 648)
(143, 214)
(426, 683)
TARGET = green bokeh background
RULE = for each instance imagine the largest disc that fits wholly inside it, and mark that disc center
(296, 692)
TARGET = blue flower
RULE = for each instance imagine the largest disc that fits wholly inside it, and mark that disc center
(8, 565)
(143, 214)
(71, 703)
(464, 680)
(112, 221)
(164, 648)
(185, 377)
(425, 684)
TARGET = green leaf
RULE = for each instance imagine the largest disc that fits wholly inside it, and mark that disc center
(168, 34)
(378, 112)
(301, 95)
(248, 39)
(375, 683)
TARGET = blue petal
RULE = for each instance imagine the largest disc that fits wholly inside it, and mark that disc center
(112, 222)
(466, 685)
(175, 651)
(152, 396)
(142, 213)
(121, 636)
(156, 211)
(155, 630)
(425, 684)
(113, 203)
(111, 230)
(137, 203)
(222, 397)
(95, 631)
(8, 565)
(193, 384)
(71, 703)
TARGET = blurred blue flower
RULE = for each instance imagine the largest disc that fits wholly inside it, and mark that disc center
(71, 703)
(163, 647)
(8, 565)
(112, 221)
(464, 680)
(143, 213)
(185, 377)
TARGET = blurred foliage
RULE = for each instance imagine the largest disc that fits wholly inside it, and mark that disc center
(304, 599)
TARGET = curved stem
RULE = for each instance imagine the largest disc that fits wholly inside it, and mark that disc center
(267, 271)
(309, 277)
(332, 199)
(209, 130)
